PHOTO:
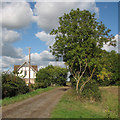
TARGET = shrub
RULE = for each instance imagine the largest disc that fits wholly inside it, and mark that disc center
(42, 84)
(91, 90)
(39, 85)
(13, 85)
(51, 75)
(73, 82)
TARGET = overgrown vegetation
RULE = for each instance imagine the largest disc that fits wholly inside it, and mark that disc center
(51, 75)
(91, 91)
(108, 72)
(72, 106)
(13, 85)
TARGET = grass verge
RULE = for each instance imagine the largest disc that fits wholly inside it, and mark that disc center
(71, 107)
(21, 97)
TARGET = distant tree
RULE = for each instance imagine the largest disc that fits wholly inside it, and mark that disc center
(79, 39)
(52, 75)
(60, 75)
(109, 68)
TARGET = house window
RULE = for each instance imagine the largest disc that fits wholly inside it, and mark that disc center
(25, 73)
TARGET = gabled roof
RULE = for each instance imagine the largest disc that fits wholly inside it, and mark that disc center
(33, 67)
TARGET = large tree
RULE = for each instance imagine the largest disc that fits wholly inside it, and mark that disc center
(79, 39)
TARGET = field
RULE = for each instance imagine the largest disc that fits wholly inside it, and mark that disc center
(71, 107)
(21, 97)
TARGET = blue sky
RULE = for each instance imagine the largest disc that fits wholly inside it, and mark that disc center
(108, 14)
(30, 24)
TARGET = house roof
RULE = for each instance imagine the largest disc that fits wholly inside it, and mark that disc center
(16, 67)
(33, 67)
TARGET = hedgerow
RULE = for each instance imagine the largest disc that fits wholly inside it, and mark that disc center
(13, 85)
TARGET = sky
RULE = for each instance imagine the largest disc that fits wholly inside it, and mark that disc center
(28, 24)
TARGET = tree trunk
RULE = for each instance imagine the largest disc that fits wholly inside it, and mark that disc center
(77, 76)
(77, 86)
(82, 87)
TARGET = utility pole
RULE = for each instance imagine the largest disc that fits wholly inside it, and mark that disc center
(29, 65)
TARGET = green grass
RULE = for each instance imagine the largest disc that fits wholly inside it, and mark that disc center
(70, 106)
(10, 100)
(110, 100)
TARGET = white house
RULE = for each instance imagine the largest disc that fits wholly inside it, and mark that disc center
(23, 72)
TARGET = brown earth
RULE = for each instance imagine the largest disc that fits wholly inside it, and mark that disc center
(38, 106)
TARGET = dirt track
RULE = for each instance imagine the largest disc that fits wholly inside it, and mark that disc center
(38, 106)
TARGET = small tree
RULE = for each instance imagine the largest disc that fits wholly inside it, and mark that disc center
(79, 39)
(52, 75)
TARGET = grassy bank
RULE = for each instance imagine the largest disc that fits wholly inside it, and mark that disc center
(71, 107)
(18, 98)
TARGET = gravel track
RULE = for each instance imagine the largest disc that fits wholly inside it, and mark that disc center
(38, 106)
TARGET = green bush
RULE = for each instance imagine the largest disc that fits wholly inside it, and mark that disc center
(73, 82)
(91, 90)
(13, 85)
(39, 85)
(43, 85)
(51, 75)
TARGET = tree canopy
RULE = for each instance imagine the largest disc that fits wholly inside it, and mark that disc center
(52, 75)
(79, 35)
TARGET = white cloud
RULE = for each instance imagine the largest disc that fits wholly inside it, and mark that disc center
(9, 62)
(49, 39)
(42, 59)
(48, 13)
(15, 14)
(44, 56)
(9, 36)
(110, 48)
(9, 50)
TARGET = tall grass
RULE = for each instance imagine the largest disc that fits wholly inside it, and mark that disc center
(110, 101)
(70, 106)
(10, 100)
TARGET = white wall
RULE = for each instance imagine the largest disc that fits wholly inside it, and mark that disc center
(23, 69)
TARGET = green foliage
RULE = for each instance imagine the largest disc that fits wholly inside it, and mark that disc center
(91, 91)
(13, 85)
(42, 85)
(104, 77)
(51, 75)
(80, 38)
(73, 82)
(108, 72)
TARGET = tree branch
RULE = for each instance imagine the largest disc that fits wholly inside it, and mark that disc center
(81, 89)
(83, 71)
